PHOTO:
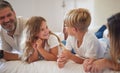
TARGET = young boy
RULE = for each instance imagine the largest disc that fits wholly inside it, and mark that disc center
(80, 39)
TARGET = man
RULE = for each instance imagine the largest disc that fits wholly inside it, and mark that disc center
(11, 30)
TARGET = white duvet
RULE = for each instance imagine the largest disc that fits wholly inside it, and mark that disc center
(41, 67)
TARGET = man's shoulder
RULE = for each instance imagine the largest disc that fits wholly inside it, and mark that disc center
(21, 18)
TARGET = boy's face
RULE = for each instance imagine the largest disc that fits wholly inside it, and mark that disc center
(7, 19)
(70, 31)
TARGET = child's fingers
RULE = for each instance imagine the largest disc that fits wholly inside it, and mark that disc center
(90, 61)
(62, 59)
(39, 41)
(61, 62)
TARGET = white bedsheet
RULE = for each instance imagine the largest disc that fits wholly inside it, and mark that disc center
(41, 67)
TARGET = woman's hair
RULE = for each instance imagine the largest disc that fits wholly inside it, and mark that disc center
(32, 28)
(114, 34)
(79, 18)
(5, 4)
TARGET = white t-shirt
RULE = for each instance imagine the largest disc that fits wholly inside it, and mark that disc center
(52, 42)
(90, 47)
(10, 44)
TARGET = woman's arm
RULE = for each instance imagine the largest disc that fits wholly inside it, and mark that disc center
(102, 64)
(114, 66)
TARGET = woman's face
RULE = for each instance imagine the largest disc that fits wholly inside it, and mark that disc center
(44, 31)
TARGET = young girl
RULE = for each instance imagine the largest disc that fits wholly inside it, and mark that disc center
(80, 39)
(114, 37)
(38, 41)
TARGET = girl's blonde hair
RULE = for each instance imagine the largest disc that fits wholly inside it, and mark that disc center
(32, 28)
(79, 18)
(114, 35)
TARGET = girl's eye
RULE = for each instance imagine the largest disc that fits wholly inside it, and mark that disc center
(42, 29)
(46, 27)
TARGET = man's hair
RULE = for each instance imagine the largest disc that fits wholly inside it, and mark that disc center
(4, 4)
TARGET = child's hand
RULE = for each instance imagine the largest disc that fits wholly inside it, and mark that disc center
(61, 61)
(87, 64)
(63, 58)
(67, 54)
(37, 44)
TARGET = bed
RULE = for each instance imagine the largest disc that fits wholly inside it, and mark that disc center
(41, 67)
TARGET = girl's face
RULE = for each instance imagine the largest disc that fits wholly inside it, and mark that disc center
(44, 31)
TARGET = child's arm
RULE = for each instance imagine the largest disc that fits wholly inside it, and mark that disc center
(73, 57)
(33, 57)
(65, 56)
(51, 55)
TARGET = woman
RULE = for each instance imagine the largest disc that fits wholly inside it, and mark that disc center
(114, 37)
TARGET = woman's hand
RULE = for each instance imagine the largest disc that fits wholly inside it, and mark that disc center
(99, 65)
(87, 64)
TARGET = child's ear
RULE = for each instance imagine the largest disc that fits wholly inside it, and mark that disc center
(75, 29)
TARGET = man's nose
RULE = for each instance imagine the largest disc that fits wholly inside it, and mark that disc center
(6, 19)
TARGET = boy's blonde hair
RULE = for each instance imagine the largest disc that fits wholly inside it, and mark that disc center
(79, 18)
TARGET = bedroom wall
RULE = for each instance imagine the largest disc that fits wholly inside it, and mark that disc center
(104, 9)
(52, 10)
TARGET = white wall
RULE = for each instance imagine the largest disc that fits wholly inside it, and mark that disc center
(51, 10)
(104, 9)
(88, 4)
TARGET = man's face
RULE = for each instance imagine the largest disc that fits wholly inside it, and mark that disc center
(7, 19)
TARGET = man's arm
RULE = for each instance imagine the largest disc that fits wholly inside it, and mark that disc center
(10, 56)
